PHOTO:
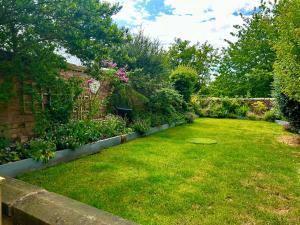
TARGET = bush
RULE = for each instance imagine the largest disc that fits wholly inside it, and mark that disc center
(190, 117)
(141, 125)
(10, 152)
(259, 108)
(290, 109)
(167, 102)
(42, 150)
(77, 133)
(252, 116)
(4, 142)
(184, 79)
(270, 116)
(221, 108)
(242, 110)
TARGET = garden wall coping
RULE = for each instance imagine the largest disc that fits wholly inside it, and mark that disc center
(30, 205)
(13, 169)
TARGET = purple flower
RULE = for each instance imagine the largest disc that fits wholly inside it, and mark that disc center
(121, 73)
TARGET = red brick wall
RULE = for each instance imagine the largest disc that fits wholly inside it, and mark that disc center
(17, 123)
(14, 121)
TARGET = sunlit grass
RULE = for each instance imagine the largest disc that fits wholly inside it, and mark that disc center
(246, 178)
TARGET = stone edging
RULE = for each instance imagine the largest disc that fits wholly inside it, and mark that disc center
(26, 204)
(13, 169)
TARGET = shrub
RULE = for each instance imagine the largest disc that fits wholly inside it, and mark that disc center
(290, 109)
(230, 105)
(242, 110)
(141, 125)
(167, 102)
(157, 120)
(184, 79)
(42, 150)
(4, 142)
(10, 152)
(270, 115)
(252, 116)
(190, 117)
(259, 108)
(77, 133)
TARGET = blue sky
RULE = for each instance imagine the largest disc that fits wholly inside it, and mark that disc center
(194, 20)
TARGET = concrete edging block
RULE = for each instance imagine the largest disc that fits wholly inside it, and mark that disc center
(13, 169)
(27, 205)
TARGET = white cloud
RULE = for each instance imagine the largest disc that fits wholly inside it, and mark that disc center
(186, 21)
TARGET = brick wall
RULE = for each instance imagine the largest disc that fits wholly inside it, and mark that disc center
(16, 119)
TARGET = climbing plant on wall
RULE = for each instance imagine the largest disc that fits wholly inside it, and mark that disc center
(31, 35)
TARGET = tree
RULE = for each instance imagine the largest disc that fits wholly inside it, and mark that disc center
(246, 66)
(287, 66)
(201, 57)
(32, 31)
(184, 79)
(84, 28)
(142, 52)
(148, 61)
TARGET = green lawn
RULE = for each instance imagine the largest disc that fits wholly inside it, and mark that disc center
(246, 178)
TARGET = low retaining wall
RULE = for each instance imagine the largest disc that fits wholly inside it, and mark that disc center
(15, 168)
(25, 204)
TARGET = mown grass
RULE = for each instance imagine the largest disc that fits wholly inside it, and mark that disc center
(246, 178)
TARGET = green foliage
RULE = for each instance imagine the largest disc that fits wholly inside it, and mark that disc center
(290, 109)
(4, 142)
(287, 66)
(166, 102)
(31, 32)
(166, 106)
(259, 108)
(63, 95)
(141, 125)
(42, 150)
(242, 110)
(84, 28)
(271, 115)
(201, 57)
(146, 84)
(76, 133)
(233, 108)
(6, 91)
(184, 79)
(246, 67)
(220, 107)
(144, 54)
(253, 116)
(190, 117)
(127, 97)
(10, 152)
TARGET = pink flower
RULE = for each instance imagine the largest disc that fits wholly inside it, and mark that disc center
(121, 73)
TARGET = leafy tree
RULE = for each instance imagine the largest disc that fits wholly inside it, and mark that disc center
(147, 58)
(142, 52)
(201, 57)
(184, 79)
(246, 66)
(83, 28)
(287, 66)
(32, 31)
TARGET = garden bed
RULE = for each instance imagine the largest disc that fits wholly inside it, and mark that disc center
(247, 177)
(15, 168)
